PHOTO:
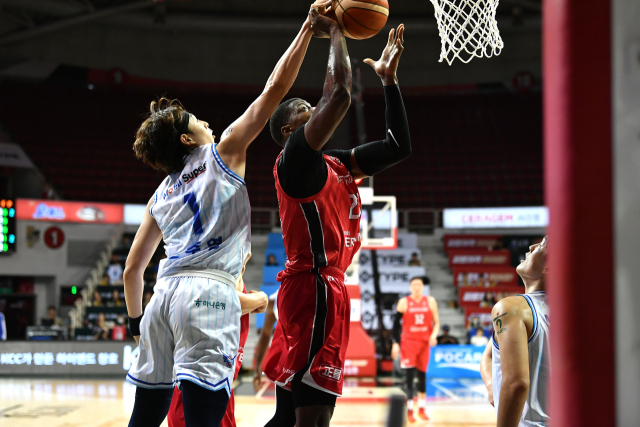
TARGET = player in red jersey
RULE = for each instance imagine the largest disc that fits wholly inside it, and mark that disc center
(320, 212)
(175, 416)
(420, 328)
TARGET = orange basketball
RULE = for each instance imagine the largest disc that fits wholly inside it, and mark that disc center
(361, 19)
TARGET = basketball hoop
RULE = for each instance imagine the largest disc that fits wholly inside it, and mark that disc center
(467, 28)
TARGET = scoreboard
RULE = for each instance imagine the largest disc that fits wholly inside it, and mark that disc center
(7, 226)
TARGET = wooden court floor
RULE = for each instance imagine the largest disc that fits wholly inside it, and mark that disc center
(108, 403)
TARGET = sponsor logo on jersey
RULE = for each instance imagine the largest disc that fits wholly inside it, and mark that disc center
(288, 371)
(331, 372)
(172, 189)
(213, 304)
(347, 179)
(228, 359)
(188, 177)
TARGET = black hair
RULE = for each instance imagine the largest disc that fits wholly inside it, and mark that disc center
(280, 118)
(424, 279)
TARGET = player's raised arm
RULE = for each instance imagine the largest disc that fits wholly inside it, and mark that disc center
(511, 335)
(336, 93)
(237, 137)
(374, 157)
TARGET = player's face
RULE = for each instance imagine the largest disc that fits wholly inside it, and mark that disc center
(532, 267)
(300, 114)
(416, 287)
(199, 132)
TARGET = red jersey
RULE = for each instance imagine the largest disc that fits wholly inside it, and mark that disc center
(324, 229)
(417, 321)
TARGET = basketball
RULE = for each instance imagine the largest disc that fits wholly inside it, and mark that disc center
(361, 19)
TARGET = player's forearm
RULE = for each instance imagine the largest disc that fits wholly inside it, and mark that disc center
(286, 70)
(261, 350)
(485, 367)
(513, 395)
(436, 329)
(133, 288)
(374, 157)
(251, 302)
(338, 78)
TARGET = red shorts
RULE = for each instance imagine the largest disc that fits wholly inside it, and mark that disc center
(414, 354)
(312, 332)
(175, 417)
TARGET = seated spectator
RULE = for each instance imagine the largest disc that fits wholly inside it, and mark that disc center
(115, 300)
(488, 300)
(453, 303)
(479, 338)
(115, 271)
(146, 299)
(97, 299)
(105, 280)
(271, 260)
(52, 320)
(100, 329)
(414, 261)
(119, 331)
(474, 322)
(445, 338)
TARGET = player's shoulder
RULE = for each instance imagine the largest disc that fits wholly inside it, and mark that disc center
(431, 300)
(515, 305)
(402, 304)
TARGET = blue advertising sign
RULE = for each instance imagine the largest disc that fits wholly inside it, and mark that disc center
(455, 361)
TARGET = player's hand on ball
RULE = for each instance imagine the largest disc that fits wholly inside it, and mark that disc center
(395, 350)
(387, 65)
(320, 24)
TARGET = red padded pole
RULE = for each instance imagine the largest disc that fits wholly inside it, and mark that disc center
(578, 190)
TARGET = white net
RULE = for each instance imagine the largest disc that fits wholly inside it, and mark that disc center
(467, 28)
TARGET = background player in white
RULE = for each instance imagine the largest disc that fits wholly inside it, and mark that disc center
(191, 327)
(515, 365)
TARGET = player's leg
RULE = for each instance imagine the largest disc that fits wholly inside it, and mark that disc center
(410, 375)
(151, 407)
(203, 407)
(285, 415)
(422, 394)
(422, 363)
(314, 408)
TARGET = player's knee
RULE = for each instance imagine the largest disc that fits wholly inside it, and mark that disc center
(422, 381)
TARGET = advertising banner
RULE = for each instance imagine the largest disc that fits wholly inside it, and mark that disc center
(470, 296)
(61, 211)
(473, 241)
(519, 217)
(393, 257)
(459, 257)
(74, 358)
(392, 279)
(407, 241)
(455, 361)
(485, 276)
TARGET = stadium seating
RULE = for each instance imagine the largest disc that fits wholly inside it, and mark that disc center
(468, 149)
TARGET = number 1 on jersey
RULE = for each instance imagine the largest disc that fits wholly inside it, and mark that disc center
(190, 199)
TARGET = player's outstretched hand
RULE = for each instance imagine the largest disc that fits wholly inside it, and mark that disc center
(320, 24)
(257, 381)
(395, 350)
(387, 65)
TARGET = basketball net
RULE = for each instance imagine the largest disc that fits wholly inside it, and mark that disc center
(467, 28)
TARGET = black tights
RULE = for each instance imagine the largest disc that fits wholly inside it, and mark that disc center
(410, 375)
(202, 407)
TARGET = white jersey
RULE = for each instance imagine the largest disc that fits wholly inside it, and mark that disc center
(204, 215)
(536, 408)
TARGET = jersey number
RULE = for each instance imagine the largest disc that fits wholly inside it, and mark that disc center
(354, 204)
(419, 319)
(190, 199)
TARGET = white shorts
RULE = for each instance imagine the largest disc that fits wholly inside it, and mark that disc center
(190, 331)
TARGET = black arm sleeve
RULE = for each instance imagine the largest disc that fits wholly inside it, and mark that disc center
(343, 155)
(302, 171)
(377, 156)
(397, 328)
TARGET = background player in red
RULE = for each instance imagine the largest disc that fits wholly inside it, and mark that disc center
(320, 212)
(420, 328)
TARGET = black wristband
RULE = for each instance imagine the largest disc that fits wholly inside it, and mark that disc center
(134, 325)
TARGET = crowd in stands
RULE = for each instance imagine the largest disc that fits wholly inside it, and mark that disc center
(111, 323)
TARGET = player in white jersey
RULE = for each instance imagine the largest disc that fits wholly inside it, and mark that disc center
(516, 366)
(190, 330)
